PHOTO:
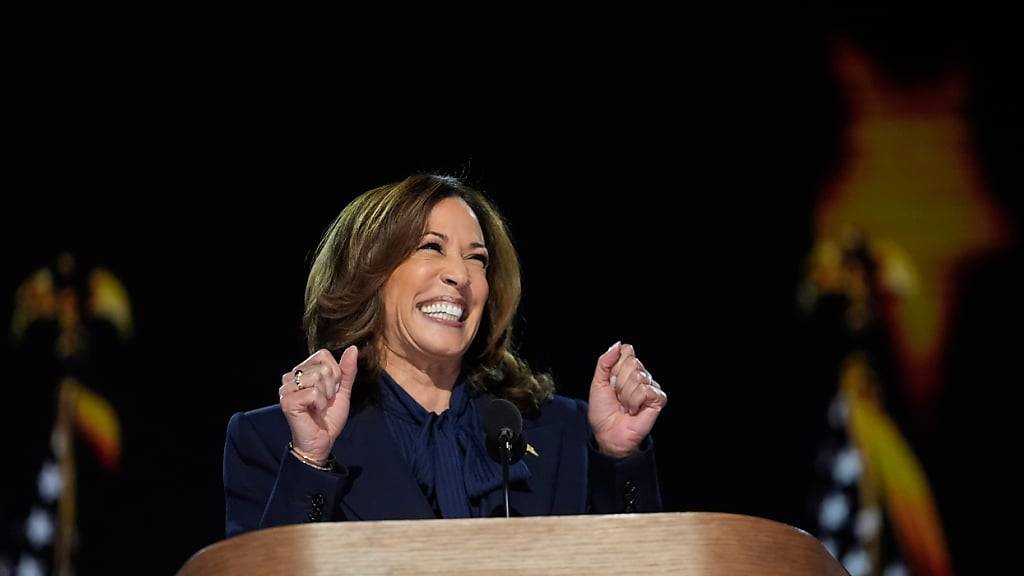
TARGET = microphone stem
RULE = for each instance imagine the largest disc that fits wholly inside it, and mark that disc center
(505, 457)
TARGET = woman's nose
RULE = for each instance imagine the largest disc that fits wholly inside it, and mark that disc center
(455, 274)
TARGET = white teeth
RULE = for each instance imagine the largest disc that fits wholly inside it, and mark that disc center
(443, 310)
(444, 316)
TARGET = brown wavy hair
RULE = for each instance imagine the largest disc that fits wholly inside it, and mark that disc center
(369, 239)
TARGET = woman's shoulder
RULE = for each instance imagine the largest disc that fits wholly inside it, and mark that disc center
(560, 409)
(267, 423)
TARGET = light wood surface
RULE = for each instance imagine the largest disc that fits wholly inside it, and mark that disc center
(676, 543)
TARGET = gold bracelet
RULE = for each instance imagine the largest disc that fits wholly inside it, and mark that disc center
(327, 466)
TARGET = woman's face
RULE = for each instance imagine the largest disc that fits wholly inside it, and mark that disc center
(434, 300)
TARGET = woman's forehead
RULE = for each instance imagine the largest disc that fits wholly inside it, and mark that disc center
(453, 215)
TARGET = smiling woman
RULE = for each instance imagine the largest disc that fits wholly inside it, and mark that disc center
(434, 301)
(423, 225)
(409, 310)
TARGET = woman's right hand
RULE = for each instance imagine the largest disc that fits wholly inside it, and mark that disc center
(317, 407)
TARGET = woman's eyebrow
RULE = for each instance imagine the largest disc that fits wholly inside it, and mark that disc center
(445, 238)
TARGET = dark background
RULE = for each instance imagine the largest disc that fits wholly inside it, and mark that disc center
(659, 191)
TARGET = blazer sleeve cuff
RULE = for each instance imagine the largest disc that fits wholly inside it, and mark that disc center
(302, 493)
(627, 484)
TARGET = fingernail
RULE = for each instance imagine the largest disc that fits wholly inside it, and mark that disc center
(613, 346)
(614, 380)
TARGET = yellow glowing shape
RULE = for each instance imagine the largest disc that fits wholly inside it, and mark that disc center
(911, 185)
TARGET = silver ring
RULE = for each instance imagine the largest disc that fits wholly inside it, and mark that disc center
(298, 379)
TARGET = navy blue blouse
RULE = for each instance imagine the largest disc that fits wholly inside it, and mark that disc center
(447, 452)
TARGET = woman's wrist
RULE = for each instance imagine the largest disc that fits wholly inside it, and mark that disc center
(613, 452)
(309, 460)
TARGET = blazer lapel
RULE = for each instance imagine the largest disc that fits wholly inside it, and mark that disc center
(380, 484)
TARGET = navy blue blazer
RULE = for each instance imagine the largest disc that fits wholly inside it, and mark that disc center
(264, 485)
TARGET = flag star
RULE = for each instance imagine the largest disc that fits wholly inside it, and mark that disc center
(50, 482)
(57, 442)
(847, 467)
(39, 528)
(857, 562)
(838, 413)
(835, 509)
(867, 524)
(29, 566)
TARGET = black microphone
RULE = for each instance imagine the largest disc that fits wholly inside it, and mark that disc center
(505, 441)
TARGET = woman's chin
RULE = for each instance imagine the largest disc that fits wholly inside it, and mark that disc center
(442, 342)
(447, 348)
(445, 352)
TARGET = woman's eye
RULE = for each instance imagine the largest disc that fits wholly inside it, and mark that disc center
(481, 257)
(431, 246)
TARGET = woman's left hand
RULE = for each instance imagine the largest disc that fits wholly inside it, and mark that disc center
(624, 401)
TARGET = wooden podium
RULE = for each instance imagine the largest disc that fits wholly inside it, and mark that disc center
(678, 543)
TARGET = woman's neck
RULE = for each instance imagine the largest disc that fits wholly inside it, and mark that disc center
(429, 383)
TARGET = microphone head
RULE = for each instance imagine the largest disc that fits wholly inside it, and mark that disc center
(502, 418)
